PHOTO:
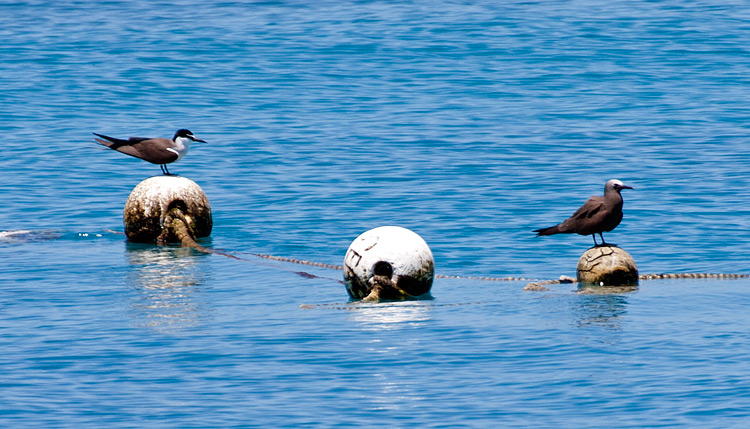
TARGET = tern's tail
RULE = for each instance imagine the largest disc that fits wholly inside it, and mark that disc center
(547, 231)
(110, 142)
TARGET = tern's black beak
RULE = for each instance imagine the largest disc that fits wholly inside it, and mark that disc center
(193, 138)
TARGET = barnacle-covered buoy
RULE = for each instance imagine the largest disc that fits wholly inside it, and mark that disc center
(158, 202)
(607, 265)
(388, 263)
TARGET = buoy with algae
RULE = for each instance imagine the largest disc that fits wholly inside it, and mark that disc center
(607, 265)
(165, 209)
(388, 262)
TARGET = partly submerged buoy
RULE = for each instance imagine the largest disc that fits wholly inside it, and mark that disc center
(164, 209)
(607, 265)
(388, 263)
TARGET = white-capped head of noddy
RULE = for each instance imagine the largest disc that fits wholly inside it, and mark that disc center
(614, 185)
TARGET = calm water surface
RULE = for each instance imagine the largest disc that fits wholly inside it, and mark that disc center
(471, 123)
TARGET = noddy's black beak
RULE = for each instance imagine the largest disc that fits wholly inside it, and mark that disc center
(626, 187)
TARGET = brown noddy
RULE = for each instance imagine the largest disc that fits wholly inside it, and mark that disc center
(596, 215)
(154, 150)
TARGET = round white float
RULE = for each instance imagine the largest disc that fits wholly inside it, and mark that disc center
(150, 200)
(395, 258)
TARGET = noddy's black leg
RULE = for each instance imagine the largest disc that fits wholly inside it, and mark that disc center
(603, 242)
(594, 237)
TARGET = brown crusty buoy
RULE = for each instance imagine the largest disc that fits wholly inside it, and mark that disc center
(607, 265)
(163, 209)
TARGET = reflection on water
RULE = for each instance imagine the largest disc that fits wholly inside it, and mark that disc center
(169, 280)
(388, 315)
(606, 310)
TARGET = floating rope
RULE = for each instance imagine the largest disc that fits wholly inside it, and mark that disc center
(299, 261)
(175, 221)
(722, 276)
(728, 276)
(339, 267)
(484, 279)
(175, 225)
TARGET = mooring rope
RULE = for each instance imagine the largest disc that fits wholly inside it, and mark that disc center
(728, 276)
(721, 276)
(298, 261)
(484, 279)
(176, 225)
(339, 267)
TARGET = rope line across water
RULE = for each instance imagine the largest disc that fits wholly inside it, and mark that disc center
(299, 261)
(339, 267)
(728, 276)
(721, 276)
(176, 223)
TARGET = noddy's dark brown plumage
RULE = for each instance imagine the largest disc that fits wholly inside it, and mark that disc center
(154, 150)
(597, 215)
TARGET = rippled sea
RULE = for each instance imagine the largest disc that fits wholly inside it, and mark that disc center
(470, 123)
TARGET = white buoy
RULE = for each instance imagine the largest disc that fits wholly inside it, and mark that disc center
(149, 203)
(388, 262)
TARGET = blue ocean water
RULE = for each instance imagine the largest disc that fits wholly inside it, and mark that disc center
(471, 123)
